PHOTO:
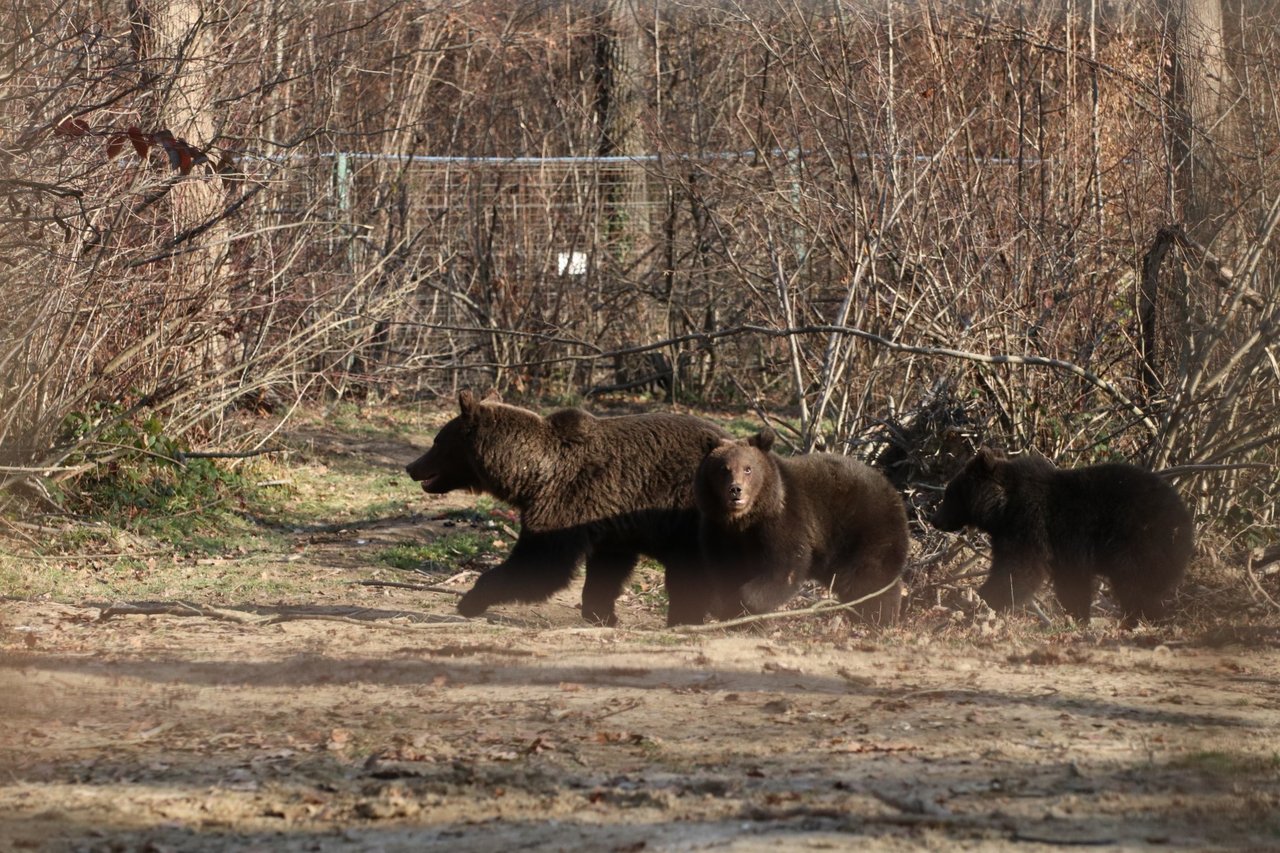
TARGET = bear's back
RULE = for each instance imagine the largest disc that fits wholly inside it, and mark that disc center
(839, 488)
(603, 468)
(1114, 490)
(1116, 504)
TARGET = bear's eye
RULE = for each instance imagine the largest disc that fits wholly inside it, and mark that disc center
(747, 470)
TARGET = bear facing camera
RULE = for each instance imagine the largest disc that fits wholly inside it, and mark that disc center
(1072, 525)
(769, 523)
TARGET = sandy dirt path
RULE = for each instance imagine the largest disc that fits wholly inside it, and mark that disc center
(188, 733)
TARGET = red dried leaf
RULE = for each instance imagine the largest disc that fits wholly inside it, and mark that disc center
(72, 127)
(141, 142)
(115, 145)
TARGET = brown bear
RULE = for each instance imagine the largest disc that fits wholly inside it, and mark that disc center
(600, 490)
(1114, 520)
(769, 523)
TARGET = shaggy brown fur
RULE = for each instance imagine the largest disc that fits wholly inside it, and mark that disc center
(1114, 520)
(769, 523)
(603, 490)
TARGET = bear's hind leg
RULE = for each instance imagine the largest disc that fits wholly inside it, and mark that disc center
(607, 571)
(882, 610)
(539, 565)
(1075, 593)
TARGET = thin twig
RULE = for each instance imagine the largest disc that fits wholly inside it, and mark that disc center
(1182, 470)
(220, 454)
(824, 606)
(1257, 584)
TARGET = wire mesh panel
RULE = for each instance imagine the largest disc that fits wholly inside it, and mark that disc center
(568, 252)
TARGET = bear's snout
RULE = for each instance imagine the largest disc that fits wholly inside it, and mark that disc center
(736, 496)
(426, 472)
(946, 519)
(419, 469)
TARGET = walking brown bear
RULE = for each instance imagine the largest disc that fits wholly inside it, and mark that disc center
(600, 490)
(1114, 520)
(769, 523)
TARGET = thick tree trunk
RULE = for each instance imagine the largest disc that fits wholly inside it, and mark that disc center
(178, 58)
(1196, 103)
(619, 56)
(1199, 84)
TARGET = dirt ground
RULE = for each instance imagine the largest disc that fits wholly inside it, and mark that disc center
(361, 717)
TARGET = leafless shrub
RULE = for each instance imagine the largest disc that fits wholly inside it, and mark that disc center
(824, 212)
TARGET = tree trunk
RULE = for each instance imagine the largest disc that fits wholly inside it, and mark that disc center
(1200, 77)
(1196, 100)
(619, 63)
(174, 41)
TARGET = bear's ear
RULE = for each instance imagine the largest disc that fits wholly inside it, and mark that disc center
(763, 440)
(572, 425)
(466, 401)
(987, 457)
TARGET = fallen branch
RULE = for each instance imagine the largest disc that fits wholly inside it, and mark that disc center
(425, 587)
(183, 608)
(824, 606)
(433, 622)
(177, 608)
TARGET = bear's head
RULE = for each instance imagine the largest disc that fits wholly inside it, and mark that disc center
(735, 475)
(451, 463)
(976, 496)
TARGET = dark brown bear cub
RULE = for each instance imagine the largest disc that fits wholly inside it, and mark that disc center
(769, 523)
(1113, 520)
(599, 490)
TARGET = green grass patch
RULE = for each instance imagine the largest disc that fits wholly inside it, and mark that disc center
(452, 550)
(356, 421)
(147, 520)
(310, 493)
(648, 586)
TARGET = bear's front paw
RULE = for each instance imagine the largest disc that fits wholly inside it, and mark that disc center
(471, 605)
